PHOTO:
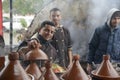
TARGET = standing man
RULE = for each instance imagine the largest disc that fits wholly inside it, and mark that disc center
(61, 40)
(106, 40)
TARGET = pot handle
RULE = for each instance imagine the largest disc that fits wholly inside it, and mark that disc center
(31, 76)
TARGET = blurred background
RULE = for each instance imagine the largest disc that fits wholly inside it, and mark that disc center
(81, 17)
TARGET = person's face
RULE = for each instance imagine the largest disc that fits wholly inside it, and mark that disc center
(55, 16)
(115, 21)
(47, 32)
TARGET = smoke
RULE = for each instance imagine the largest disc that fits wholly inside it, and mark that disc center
(98, 10)
(86, 16)
(81, 17)
(97, 14)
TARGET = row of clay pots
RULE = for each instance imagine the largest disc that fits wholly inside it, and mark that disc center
(75, 72)
(14, 70)
(104, 72)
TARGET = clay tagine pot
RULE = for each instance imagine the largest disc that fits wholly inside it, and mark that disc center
(75, 72)
(105, 71)
(36, 54)
(49, 74)
(34, 70)
(2, 62)
(14, 71)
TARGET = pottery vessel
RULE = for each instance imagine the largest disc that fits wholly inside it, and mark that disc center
(105, 71)
(49, 74)
(75, 72)
(14, 70)
(34, 70)
(36, 54)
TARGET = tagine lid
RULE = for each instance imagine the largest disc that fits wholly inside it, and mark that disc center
(36, 54)
(34, 70)
(49, 74)
(76, 72)
(14, 70)
(106, 69)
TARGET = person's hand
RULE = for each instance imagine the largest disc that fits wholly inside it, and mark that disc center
(34, 44)
(89, 68)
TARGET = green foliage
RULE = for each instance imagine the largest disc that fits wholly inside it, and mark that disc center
(5, 5)
(23, 7)
(23, 23)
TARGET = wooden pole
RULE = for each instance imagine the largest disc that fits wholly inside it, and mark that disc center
(11, 28)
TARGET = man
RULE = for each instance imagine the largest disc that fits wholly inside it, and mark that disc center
(106, 40)
(61, 39)
(44, 36)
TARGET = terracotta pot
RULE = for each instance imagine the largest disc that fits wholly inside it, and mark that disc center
(75, 72)
(105, 70)
(36, 54)
(34, 70)
(14, 71)
(2, 62)
(49, 74)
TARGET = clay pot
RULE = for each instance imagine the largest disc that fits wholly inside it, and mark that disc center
(14, 71)
(49, 74)
(75, 72)
(36, 54)
(2, 62)
(34, 70)
(105, 71)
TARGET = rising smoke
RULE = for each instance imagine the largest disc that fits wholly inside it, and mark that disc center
(81, 17)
